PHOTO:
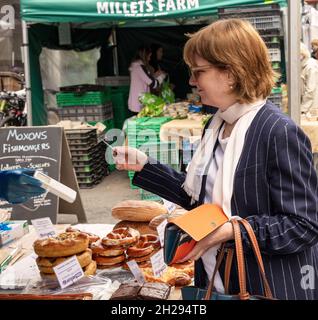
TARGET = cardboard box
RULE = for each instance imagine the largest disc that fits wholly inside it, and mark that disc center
(18, 229)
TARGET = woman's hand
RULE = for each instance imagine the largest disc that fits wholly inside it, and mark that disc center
(127, 158)
(222, 234)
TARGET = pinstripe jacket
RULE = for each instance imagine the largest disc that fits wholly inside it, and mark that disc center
(275, 189)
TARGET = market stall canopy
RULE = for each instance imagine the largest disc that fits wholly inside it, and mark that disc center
(87, 14)
(121, 12)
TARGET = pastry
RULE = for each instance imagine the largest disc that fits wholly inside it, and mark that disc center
(138, 210)
(64, 245)
(90, 269)
(141, 259)
(92, 237)
(145, 246)
(106, 251)
(142, 227)
(121, 237)
(172, 276)
(109, 261)
(113, 266)
(46, 265)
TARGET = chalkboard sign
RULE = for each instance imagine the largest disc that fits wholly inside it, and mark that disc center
(40, 148)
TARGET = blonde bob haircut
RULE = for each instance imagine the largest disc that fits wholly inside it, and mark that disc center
(235, 45)
(314, 42)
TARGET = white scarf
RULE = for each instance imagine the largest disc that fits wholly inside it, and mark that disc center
(223, 186)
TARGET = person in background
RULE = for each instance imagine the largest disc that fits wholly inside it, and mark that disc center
(309, 83)
(253, 162)
(314, 47)
(156, 66)
(18, 186)
(141, 78)
(156, 57)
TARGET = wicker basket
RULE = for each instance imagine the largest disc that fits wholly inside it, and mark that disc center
(10, 81)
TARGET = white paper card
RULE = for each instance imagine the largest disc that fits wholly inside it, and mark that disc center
(135, 270)
(161, 231)
(158, 264)
(44, 227)
(170, 206)
(68, 272)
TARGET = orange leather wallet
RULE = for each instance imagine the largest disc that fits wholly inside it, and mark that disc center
(182, 233)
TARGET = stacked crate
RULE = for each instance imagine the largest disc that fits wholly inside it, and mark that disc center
(165, 153)
(143, 133)
(109, 125)
(119, 98)
(83, 105)
(267, 20)
(119, 92)
(88, 156)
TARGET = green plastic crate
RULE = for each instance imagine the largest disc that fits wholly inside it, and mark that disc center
(120, 108)
(146, 195)
(164, 152)
(147, 123)
(65, 99)
(111, 167)
(145, 130)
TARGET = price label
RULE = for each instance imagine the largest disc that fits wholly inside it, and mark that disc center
(44, 227)
(170, 206)
(135, 270)
(158, 264)
(161, 231)
(68, 272)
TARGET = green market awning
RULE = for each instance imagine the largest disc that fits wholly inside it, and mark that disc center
(107, 13)
(125, 10)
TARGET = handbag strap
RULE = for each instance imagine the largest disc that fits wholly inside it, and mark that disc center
(217, 266)
(244, 295)
(227, 271)
(240, 259)
(257, 252)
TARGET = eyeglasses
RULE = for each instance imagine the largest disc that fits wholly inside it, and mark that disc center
(195, 71)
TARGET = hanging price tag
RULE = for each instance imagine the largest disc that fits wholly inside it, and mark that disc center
(158, 264)
(44, 227)
(135, 270)
(161, 231)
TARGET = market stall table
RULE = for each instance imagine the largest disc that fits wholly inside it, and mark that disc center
(179, 130)
(27, 259)
(185, 133)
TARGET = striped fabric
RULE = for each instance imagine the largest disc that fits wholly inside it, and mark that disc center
(275, 189)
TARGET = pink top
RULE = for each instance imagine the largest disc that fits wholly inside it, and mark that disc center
(140, 82)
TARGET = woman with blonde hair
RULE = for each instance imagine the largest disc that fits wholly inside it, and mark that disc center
(253, 161)
(314, 47)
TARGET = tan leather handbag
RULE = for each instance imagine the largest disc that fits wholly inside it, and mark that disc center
(194, 293)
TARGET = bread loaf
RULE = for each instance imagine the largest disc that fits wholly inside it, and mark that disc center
(142, 227)
(138, 210)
